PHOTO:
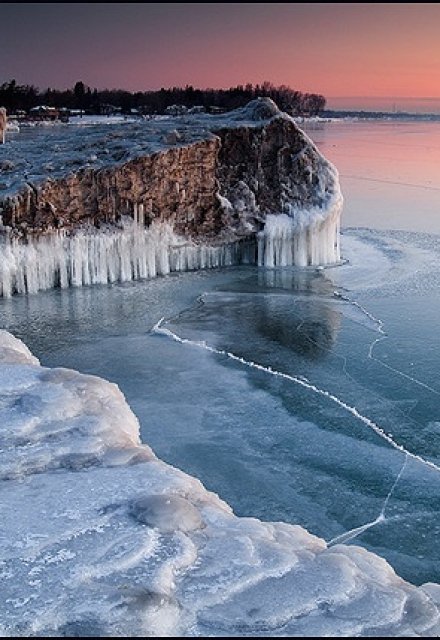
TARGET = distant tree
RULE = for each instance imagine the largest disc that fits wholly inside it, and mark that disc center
(79, 91)
(14, 97)
(312, 104)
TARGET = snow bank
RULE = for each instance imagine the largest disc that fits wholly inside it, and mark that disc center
(99, 537)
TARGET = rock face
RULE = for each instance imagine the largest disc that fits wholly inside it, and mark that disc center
(272, 169)
(211, 180)
(177, 185)
(257, 162)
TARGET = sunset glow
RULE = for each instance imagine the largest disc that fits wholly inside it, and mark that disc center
(356, 50)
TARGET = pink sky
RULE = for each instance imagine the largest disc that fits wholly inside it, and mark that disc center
(361, 50)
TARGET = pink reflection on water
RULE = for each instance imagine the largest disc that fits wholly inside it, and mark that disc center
(389, 171)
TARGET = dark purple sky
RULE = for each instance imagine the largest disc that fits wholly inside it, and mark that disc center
(357, 49)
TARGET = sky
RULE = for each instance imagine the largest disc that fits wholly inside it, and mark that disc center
(358, 55)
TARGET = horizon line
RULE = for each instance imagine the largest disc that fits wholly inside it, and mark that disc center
(427, 98)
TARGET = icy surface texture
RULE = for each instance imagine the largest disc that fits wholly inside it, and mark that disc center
(99, 537)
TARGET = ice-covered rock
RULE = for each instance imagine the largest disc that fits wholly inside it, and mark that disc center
(259, 109)
(256, 159)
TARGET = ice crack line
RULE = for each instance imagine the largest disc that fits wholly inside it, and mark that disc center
(380, 329)
(161, 330)
(369, 315)
(354, 533)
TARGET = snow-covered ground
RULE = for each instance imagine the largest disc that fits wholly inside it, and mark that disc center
(99, 537)
(38, 153)
(96, 119)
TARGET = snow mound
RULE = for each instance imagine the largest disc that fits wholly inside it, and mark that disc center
(167, 513)
(14, 350)
(259, 109)
(100, 538)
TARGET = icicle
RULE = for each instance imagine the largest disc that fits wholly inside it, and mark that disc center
(108, 255)
(302, 239)
(141, 216)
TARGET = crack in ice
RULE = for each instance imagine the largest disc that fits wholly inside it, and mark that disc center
(391, 491)
(161, 330)
(357, 531)
(384, 336)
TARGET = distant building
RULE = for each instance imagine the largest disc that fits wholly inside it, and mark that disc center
(109, 110)
(64, 114)
(76, 112)
(42, 112)
(215, 110)
(197, 109)
(176, 110)
(18, 115)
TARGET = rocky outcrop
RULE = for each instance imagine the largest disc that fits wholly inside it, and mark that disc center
(89, 205)
(272, 169)
(254, 162)
(177, 185)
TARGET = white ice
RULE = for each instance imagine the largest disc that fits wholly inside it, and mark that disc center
(305, 238)
(99, 537)
(110, 255)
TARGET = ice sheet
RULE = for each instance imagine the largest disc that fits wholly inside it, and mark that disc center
(102, 538)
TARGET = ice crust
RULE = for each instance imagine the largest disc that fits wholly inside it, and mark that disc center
(99, 537)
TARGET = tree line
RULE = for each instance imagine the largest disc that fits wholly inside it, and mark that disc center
(16, 97)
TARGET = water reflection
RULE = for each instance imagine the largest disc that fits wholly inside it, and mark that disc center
(388, 171)
(312, 337)
(286, 308)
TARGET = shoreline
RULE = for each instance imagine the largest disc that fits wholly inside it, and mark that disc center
(175, 508)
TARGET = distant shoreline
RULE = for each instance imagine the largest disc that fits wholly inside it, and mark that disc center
(379, 115)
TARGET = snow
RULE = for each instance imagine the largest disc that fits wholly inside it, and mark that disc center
(12, 125)
(99, 537)
(86, 120)
(70, 146)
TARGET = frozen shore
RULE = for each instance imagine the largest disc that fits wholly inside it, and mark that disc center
(100, 537)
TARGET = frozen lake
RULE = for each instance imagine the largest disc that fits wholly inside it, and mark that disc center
(338, 426)
(388, 171)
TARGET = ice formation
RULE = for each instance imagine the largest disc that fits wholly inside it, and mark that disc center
(131, 251)
(111, 255)
(206, 185)
(304, 239)
(99, 537)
